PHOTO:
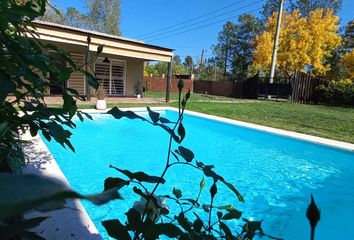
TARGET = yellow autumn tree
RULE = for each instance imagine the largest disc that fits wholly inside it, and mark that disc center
(348, 62)
(304, 44)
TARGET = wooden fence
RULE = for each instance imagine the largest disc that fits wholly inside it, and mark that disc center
(304, 88)
(300, 88)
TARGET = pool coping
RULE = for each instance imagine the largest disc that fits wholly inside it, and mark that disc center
(70, 222)
(286, 133)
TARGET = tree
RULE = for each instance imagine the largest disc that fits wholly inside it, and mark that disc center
(53, 15)
(75, 19)
(103, 16)
(223, 49)
(348, 37)
(305, 42)
(348, 63)
(177, 60)
(247, 28)
(189, 64)
(303, 6)
(307, 6)
(270, 7)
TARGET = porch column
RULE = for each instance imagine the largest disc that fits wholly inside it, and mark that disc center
(168, 83)
(87, 57)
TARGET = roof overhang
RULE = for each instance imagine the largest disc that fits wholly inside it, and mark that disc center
(112, 44)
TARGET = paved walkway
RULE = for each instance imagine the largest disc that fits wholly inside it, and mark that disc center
(59, 100)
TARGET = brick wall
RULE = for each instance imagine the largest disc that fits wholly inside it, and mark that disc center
(226, 88)
(158, 84)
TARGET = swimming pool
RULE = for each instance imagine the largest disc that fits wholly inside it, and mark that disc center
(275, 174)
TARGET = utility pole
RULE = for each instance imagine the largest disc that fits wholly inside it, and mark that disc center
(226, 57)
(276, 40)
(201, 62)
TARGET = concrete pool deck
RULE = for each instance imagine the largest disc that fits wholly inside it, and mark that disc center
(70, 222)
(73, 221)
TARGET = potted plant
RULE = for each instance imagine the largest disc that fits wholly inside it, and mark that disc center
(101, 103)
(139, 89)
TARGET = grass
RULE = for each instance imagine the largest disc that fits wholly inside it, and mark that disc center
(329, 122)
(194, 96)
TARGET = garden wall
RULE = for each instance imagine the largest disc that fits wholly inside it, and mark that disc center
(158, 84)
(225, 88)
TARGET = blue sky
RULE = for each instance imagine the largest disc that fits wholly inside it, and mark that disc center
(143, 17)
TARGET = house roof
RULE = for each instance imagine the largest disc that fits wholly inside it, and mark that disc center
(113, 44)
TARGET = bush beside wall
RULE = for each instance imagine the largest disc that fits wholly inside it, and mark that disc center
(337, 93)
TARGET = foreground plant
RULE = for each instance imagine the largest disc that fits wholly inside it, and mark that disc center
(26, 72)
(150, 217)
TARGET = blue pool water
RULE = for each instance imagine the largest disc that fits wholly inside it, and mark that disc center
(275, 174)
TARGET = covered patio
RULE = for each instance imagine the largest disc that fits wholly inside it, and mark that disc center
(119, 68)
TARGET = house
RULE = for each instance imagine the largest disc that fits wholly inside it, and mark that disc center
(119, 67)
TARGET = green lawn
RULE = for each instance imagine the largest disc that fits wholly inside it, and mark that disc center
(328, 122)
(194, 96)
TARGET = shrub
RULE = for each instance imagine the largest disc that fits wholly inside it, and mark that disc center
(337, 93)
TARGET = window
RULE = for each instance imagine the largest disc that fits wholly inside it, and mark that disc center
(111, 75)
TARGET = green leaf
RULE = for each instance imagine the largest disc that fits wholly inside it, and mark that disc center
(180, 85)
(64, 74)
(188, 94)
(118, 114)
(232, 214)
(91, 80)
(197, 225)
(69, 104)
(313, 214)
(177, 193)
(33, 129)
(7, 86)
(230, 186)
(226, 230)
(202, 183)
(99, 49)
(60, 134)
(117, 183)
(184, 223)
(140, 176)
(164, 120)
(171, 132)
(153, 115)
(167, 229)
(187, 154)
(38, 191)
(134, 219)
(213, 190)
(226, 207)
(206, 208)
(116, 229)
(207, 170)
(181, 132)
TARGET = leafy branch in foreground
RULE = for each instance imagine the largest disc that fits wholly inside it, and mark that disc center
(42, 194)
(150, 217)
(27, 72)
